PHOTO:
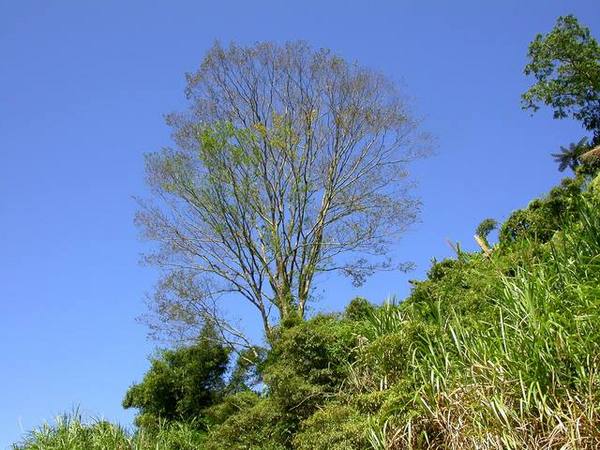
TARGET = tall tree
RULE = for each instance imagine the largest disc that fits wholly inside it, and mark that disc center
(566, 66)
(290, 163)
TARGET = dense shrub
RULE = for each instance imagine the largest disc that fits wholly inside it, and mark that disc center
(181, 383)
(335, 427)
(358, 309)
(308, 363)
(229, 406)
(256, 425)
(543, 217)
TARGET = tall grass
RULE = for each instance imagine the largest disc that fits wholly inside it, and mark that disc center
(524, 376)
(73, 432)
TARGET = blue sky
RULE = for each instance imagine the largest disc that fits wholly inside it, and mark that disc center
(83, 88)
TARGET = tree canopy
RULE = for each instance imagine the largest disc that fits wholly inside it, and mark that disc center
(291, 162)
(566, 66)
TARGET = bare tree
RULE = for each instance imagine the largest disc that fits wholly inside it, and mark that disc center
(290, 163)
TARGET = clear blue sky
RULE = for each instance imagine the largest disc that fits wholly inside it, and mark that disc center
(83, 87)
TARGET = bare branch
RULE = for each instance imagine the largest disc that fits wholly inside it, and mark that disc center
(290, 163)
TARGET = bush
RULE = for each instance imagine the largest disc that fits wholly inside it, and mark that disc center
(358, 309)
(229, 406)
(256, 425)
(308, 364)
(180, 384)
(543, 217)
(335, 427)
(72, 432)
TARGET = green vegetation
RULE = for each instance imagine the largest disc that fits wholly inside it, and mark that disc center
(569, 156)
(566, 66)
(490, 351)
(180, 383)
(72, 432)
(498, 349)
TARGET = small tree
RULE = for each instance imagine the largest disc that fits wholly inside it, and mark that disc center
(290, 163)
(483, 231)
(566, 66)
(181, 383)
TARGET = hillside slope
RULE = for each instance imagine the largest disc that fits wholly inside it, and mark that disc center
(497, 350)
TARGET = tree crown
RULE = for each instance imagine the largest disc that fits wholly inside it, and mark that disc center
(291, 162)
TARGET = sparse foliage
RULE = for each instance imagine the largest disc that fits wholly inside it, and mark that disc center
(290, 163)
